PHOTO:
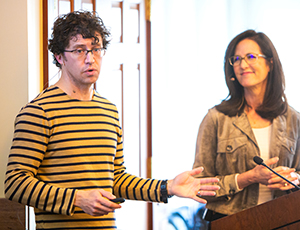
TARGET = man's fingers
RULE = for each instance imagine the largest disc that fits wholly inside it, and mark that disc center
(205, 193)
(208, 180)
(106, 194)
(209, 187)
(199, 199)
(196, 171)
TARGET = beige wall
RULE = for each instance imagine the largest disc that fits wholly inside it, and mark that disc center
(14, 73)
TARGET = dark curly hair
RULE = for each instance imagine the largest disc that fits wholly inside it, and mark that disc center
(69, 25)
(274, 102)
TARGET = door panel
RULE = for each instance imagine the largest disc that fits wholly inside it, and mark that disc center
(123, 81)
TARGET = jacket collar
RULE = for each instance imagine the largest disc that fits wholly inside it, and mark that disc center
(278, 131)
(243, 124)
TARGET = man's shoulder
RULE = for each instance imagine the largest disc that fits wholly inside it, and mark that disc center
(104, 101)
(51, 93)
(46, 96)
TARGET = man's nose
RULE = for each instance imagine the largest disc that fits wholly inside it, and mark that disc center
(89, 56)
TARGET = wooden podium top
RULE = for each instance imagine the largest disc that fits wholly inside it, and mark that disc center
(282, 213)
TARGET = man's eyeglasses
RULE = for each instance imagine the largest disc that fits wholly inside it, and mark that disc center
(249, 58)
(82, 53)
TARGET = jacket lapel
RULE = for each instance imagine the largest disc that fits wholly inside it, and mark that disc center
(242, 123)
(277, 136)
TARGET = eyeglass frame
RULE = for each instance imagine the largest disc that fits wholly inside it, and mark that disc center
(86, 51)
(244, 58)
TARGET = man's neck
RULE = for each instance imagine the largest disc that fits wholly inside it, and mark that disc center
(84, 93)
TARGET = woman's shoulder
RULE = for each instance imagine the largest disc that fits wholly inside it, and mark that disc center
(215, 112)
(216, 116)
(293, 111)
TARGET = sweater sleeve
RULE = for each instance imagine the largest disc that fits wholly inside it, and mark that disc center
(31, 136)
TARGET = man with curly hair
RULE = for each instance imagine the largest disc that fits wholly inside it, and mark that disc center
(66, 158)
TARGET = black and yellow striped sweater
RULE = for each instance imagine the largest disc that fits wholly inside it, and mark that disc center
(61, 145)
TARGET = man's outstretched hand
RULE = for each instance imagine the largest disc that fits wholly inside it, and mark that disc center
(187, 186)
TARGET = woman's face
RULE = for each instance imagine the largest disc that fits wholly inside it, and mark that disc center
(251, 76)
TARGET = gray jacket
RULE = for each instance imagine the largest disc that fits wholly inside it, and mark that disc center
(226, 146)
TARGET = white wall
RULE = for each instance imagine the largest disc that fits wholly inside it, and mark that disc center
(34, 28)
(14, 73)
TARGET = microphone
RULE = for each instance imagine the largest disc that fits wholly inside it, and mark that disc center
(260, 161)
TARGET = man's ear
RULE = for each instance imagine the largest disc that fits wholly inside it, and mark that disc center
(60, 59)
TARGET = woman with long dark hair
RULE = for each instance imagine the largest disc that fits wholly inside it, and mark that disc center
(254, 120)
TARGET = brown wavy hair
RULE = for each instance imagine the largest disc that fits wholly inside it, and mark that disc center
(67, 26)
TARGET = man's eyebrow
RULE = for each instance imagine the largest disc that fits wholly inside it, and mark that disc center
(79, 45)
(83, 46)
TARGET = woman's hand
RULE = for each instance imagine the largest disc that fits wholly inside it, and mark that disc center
(278, 183)
(259, 174)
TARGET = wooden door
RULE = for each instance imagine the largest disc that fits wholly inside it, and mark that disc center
(122, 81)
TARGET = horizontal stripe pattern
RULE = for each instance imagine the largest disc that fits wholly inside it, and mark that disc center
(61, 145)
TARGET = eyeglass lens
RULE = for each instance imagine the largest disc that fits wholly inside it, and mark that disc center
(249, 58)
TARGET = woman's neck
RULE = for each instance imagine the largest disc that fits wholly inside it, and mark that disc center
(256, 121)
(254, 97)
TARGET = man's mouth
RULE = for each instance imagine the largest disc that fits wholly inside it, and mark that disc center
(90, 70)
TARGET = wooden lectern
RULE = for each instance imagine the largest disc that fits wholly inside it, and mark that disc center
(282, 213)
(12, 215)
